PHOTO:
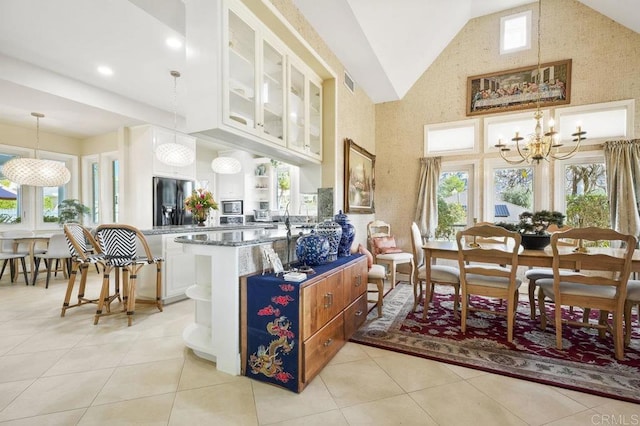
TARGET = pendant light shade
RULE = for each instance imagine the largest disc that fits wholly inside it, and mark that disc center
(226, 165)
(36, 172)
(173, 153)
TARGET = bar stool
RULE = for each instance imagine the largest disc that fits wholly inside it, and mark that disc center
(84, 252)
(119, 245)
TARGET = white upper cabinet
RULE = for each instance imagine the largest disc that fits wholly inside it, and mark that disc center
(255, 90)
(304, 111)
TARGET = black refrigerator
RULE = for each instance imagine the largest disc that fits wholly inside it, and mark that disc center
(168, 201)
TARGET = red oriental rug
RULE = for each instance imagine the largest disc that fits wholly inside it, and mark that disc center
(586, 363)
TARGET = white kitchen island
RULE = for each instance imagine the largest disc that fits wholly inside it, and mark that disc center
(215, 334)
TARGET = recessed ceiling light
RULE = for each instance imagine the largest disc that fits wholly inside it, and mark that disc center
(105, 70)
(174, 43)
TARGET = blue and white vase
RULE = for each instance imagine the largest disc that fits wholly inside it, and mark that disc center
(333, 232)
(312, 249)
(348, 234)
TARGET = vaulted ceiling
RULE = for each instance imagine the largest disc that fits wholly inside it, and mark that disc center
(49, 51)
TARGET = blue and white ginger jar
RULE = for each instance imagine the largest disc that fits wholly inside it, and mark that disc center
(333, 232)
(312, 249)
(348, 234)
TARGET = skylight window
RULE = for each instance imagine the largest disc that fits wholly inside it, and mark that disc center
(515, 32)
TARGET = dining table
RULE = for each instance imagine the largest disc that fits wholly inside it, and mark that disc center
(434, 250)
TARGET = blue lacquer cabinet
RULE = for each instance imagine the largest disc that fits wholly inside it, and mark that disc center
(291, 330)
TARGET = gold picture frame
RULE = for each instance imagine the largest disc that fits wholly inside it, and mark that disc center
(359, 178)
(517, 89)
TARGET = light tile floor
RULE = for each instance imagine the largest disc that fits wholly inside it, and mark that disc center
(66, 371)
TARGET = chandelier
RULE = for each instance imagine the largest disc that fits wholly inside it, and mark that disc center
(173, 153)
(540, 145)
(34, 171)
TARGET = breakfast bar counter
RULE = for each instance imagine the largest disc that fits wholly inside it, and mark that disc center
(215, 334)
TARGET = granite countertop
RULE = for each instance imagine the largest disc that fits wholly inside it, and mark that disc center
(178, 229)
(239, 237)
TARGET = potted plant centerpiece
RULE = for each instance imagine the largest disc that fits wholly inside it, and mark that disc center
(533, 227)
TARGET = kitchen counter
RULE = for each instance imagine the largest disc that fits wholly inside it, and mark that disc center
(181, 229)
(240, 237)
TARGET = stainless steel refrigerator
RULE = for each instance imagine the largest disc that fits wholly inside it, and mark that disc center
(168, 201)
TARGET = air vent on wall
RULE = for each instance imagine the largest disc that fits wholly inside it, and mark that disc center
(348, 81)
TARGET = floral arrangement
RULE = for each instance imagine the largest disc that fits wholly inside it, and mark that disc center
(199, 203)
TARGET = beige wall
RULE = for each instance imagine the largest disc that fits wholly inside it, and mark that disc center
(100, 144)
(355, 112)
(26, 137)
(606, 60)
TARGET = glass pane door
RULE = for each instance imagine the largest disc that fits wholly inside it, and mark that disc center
(272, 91)
(242, 78)
(296, 133)
(315, 119)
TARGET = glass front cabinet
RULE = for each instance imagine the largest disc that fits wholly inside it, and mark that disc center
(269, 92)
(254, 95)
(305, 111)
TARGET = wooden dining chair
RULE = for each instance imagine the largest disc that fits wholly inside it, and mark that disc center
(535, 274)
(384, 249)
(489, 270)
(601, 282)
(440, 274)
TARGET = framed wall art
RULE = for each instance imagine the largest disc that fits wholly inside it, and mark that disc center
(519, 88)
(359, 178)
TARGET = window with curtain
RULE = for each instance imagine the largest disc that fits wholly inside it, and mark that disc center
(453, 194)
(583, 196)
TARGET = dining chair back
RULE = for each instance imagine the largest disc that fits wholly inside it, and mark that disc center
(535, 274)
(385, 252)
(439, 274)
(126, 248)
(594, 278)
(10, 254)
(57, 250)
(489, 269)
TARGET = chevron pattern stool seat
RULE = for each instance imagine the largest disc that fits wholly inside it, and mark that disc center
(119, 244)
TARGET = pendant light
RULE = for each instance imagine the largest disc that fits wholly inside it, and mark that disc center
(173, 153)
(226, 165)
(34, 171)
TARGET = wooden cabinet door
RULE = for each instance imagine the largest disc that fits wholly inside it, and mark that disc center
(321, 302)
(355, 280)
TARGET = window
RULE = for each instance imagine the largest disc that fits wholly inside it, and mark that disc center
(115, 178)
(583, 196)
(604, 121)
(513, 193)
(451, 138)
(10, 196)
(503, 128)
(515, 32)
(95, 192)
(457, 198)
(51, 197)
